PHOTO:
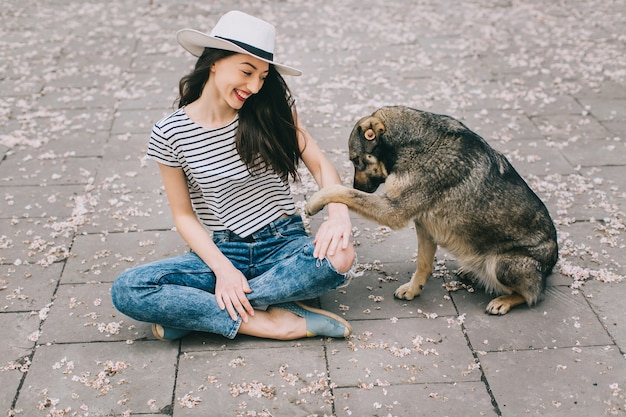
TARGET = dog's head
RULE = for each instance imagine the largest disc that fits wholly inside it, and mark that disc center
(366, 148)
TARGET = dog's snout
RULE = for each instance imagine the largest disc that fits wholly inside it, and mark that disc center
(369, 134)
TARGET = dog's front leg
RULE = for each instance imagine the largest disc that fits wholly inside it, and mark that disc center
(321, 198)
(426, 249)
(371, 206)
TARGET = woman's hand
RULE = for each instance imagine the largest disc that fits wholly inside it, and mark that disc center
(334, 234)
(231, 287)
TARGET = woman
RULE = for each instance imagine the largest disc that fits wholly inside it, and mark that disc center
(225, 159)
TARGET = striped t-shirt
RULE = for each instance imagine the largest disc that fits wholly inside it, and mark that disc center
(224, 194)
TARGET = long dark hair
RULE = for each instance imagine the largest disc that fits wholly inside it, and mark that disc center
(267, 133)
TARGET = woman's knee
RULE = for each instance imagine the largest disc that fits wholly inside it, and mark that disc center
(119, 288)
(343, 260)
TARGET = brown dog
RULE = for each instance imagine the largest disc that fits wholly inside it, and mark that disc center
(460, 193)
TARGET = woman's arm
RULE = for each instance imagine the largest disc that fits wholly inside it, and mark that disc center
(231, 285)
(334, 234)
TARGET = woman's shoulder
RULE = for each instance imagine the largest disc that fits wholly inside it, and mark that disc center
(177, 117)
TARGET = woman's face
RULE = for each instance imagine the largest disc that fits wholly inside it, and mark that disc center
(237, 77)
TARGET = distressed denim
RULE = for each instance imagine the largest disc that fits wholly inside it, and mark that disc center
(178, 292)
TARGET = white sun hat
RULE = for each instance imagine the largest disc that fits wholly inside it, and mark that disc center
(239, 32)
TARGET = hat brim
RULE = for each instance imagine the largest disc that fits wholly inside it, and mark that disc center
(195, 41)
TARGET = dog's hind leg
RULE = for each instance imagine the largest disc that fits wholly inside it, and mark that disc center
(522, 278)
(426, 249)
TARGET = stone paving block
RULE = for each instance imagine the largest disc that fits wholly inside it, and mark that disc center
(616, 128)
(599, 200)
(467, 399)
(88, 311)
(403, 351)
(10, 381)
(280, 382)
(120, 210)
(86, 96)
(596, 152)
(81, 121)
(158, 91)
(101, 379)
(590, 252)
(125, 165)
(607, 300)
(572, 382)
(35, 201)
(499, 127)
(11, 87)
(562, 319)
(168, 72)
(27, 287)
(371, 296)
(615, 180)
(137, 121)
(565, 127)
(40, 169)
(82, 144)
(101, 258)
(130, 174)
(535, 158)
(606, 109)
(19, 332)
(33, 241)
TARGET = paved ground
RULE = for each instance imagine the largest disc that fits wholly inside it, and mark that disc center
(81, 84)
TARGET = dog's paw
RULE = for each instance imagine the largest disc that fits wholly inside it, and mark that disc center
(407, 292)
(314, 205)
(499, 306)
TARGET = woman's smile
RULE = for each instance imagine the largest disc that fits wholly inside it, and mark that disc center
(241, 95)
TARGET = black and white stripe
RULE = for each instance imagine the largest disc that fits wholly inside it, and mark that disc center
(224, 194)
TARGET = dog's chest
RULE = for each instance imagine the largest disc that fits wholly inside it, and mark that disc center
(444, 232)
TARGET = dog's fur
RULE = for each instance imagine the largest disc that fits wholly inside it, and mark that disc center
(461, 194)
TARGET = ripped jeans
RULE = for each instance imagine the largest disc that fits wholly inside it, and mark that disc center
(178, 292)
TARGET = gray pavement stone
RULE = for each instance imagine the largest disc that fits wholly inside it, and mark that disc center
(123, 210)
(371, 296)
(87, 309)
(591, 251)
(38, 201)
(33, 241)
(82, 144)
(101, 258)
(282, 381)
(47, 168)
(606, 301)
(100, 379)
(20, 331)
(468, 399)
(596, 152)
(562, 319)
(403, 351)
(27, 288)
(576, 382)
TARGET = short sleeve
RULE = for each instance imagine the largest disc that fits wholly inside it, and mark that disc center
(160, 149)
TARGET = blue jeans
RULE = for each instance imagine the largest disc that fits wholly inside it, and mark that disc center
(178, 292)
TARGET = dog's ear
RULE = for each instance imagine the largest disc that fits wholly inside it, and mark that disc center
(372, 128)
